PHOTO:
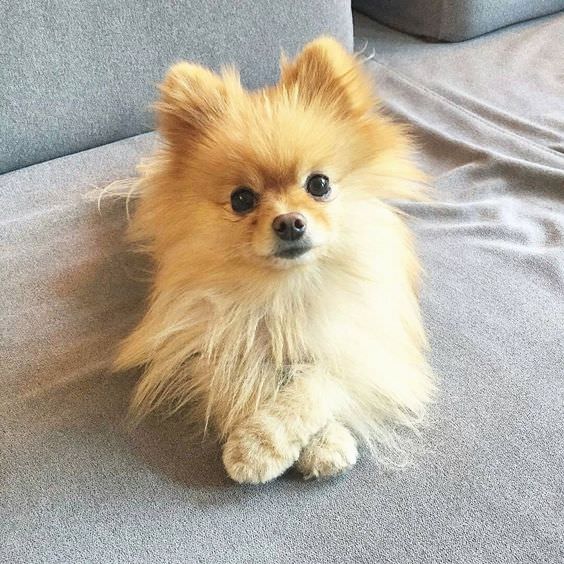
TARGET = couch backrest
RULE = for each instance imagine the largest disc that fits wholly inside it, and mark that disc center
(454, 20)
(77, 74)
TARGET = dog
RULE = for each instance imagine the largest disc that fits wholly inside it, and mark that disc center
(284, 309)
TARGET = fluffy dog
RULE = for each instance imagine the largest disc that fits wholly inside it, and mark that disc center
(284, 311)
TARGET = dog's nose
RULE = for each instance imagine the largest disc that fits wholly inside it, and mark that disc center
(289, 226)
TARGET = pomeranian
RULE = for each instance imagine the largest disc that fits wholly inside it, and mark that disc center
(284, 306)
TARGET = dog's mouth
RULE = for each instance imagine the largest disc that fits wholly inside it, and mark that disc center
(292, 250)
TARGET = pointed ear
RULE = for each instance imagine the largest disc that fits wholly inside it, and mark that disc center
(325, 73)
(191, 98)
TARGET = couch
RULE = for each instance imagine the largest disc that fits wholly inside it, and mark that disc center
(485, 483)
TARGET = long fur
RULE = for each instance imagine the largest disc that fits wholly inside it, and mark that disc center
(227, 328)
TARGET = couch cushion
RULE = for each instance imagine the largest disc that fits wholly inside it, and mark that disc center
(454, 20)
(76, 75)
(487, 487)
(64, 277)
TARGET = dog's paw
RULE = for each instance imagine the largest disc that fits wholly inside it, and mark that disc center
(332, 451)
(253, 456)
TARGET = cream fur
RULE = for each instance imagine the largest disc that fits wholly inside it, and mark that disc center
(280, 358)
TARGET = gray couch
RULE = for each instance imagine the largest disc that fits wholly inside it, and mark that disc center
(485, 484)
(454, 20)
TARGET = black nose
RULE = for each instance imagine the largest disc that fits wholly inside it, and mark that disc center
(290, 226)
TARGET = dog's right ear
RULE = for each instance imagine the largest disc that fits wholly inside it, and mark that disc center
(191, 98)
(324, 72)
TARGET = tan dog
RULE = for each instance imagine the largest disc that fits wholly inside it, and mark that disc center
(284, 308)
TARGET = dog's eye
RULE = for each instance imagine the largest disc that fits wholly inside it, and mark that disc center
(318, 185)
(243, 200)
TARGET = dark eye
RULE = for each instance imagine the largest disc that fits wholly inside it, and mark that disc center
(318, 185)
(243, 200)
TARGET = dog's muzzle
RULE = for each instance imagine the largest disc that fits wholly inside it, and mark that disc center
(292, 249)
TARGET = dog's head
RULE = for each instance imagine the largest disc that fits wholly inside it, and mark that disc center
(266, 177)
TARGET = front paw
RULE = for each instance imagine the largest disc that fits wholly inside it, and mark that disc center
(252, 455)
(331, 452)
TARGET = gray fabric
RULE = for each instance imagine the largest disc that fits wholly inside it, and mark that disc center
(75, 74)
(454, 20)
(76, 487)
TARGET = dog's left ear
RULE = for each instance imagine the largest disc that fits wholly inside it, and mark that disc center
(325, 73)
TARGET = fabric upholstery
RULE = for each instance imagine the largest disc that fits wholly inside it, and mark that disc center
(485, 484)
(454, 20)
(76, 75)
